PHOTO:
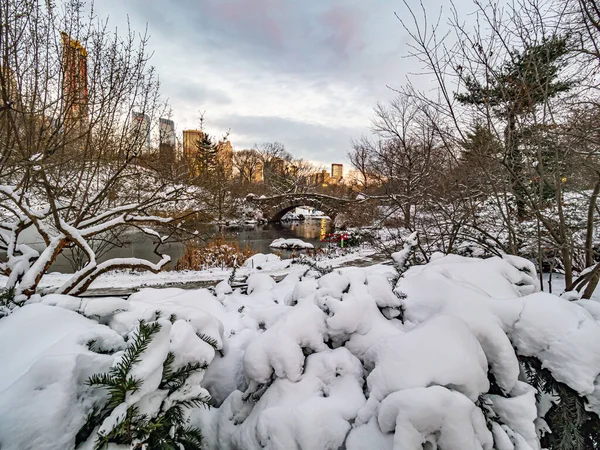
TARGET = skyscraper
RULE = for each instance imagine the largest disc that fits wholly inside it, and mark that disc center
(141, 129)
(74, 81)
(190, 149)
(166, 145)
(337, 172)
(225, 158)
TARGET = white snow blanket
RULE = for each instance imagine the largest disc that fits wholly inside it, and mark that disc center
(343, 360)
(290, 243)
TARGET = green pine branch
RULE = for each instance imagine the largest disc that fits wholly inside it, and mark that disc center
(209, 340)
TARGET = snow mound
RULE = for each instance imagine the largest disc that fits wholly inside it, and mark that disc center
(262, 261)
(43, 398)
(430, 350)
(290, 243)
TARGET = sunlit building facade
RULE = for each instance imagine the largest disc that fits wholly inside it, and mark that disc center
(337, 172)
(74, 80)
(224, 154)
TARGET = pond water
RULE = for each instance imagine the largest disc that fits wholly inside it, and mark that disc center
(257, 238)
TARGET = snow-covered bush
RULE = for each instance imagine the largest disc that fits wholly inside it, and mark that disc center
(443, 360)
(461, 353)
(219, 252)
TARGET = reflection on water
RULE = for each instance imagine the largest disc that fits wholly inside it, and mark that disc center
(257, 238)
(310, 230)
(260, 237)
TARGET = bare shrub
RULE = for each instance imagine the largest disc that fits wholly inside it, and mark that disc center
(219, 252)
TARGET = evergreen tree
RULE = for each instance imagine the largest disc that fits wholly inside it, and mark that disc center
(206, 158)
(528, 79)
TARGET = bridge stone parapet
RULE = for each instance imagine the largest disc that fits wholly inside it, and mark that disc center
(275, 207)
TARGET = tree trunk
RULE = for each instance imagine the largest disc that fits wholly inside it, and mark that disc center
(589, 232)
(514, 163)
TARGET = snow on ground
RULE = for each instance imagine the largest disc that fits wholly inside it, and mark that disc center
(132, 280)
(291, 243)
(342, 360)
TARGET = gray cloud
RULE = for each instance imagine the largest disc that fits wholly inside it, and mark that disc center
(196, 93)
(306, 73)
(304, 140)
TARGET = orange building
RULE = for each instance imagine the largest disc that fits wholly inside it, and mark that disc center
(322, 177)
(74, 81)
(337, 172)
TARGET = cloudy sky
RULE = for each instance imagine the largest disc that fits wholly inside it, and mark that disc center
(306, 73)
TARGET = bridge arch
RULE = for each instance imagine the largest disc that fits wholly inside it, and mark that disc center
(277, 216)
(275, 207)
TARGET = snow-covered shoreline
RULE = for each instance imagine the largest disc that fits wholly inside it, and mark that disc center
(122, 282)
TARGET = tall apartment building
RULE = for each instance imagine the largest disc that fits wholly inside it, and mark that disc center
(166, 141)
(249, 166)
(225, 157)
(273, 168)
(322, 177)
(337, 172)
(74, 80)
(141, 129)
(190, 146)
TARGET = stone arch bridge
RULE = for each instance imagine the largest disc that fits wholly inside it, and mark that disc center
(275, 207)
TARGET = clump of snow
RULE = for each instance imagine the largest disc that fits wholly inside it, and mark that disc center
(401, 257)
(259, 282)
(291, 243)
(262, 261)
(436, 416)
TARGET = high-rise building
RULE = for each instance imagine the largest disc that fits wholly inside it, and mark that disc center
(74, 81)
(141, 128)
(225, 157)
(190, 150)
(337, 172)
(322, 177)
(190, 140)
(273, 169)
(249, 166)
(166, 131)
(166, 141)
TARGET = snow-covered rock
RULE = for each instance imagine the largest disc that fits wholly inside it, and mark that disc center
(291, 243)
